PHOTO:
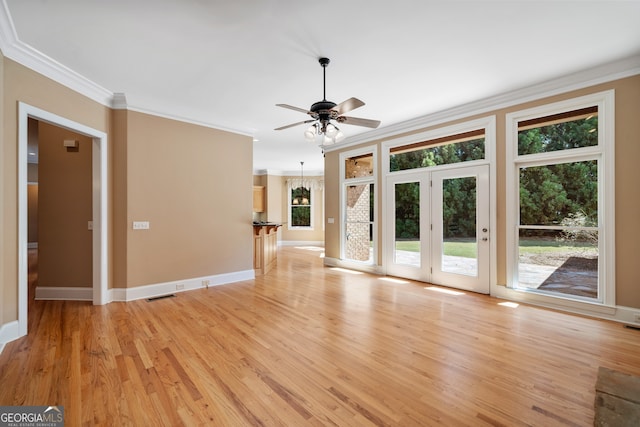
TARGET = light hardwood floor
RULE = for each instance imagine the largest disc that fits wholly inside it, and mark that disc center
(310, 345)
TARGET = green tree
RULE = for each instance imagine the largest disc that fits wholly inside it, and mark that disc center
(550, 194)
(407, 203)
(459, 207)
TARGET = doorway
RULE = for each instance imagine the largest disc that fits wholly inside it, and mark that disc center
(99, 206)
(438, 227)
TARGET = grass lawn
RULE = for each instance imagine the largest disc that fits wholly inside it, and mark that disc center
(457, 248)
(542, 246)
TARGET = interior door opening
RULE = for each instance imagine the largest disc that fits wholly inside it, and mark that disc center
(99, 206)
(60, 216)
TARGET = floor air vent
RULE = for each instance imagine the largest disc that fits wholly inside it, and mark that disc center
(161, 297)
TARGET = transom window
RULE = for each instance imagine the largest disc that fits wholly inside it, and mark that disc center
(563, 131)
(462, 147)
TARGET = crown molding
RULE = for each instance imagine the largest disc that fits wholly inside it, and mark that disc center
(175, 117)
(119, 101)
(35, 60)
(611, 71)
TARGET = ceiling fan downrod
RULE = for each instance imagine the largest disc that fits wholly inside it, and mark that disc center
(324, 62)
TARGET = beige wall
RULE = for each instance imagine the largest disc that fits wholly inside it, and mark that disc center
(627, 153)
(195, 187)
(21, 84)
(274, 201)
(193, 184)
(64, 209)
(120, 226)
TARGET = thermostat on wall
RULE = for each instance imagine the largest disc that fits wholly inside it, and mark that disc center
(71, 143)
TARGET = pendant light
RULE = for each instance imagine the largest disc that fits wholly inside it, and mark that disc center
(302, 199)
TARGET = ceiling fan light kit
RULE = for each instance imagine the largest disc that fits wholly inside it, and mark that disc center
(324, 112)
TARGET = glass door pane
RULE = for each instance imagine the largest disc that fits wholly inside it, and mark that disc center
(406, 243)
(359, 223)
(459, 240)
(407, 224)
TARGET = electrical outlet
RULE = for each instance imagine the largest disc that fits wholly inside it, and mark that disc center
(206, 283)
(179, 286)
(140, 225)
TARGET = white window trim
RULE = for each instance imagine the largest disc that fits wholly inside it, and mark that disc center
(344, 182)
(604, 153)
(311, 206)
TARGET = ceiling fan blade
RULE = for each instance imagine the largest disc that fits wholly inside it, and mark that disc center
(291, 107)
(294, 124)
(358, 122)
(348, 105)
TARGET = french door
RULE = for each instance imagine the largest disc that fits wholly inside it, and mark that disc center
(438, 227)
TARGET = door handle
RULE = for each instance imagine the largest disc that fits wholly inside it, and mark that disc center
(484, 230)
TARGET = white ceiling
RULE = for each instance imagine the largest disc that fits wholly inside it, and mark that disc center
(227, 63)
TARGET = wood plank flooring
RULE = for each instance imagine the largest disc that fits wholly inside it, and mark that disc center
(307, 345)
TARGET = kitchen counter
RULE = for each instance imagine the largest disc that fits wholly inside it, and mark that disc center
(265, 246)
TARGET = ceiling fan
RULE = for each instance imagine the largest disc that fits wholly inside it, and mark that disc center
(323, 112)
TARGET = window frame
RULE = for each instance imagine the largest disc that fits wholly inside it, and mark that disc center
(344, 184)
(603, 153)
(291, 206)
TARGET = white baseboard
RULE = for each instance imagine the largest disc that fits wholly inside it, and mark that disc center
(145, 291)
(64, 293)
(167, 288)
(8, 332)
(626, 315)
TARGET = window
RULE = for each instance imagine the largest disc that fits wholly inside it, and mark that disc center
(562, 161)
(300, 208)
(359, 206)
(446, 150)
